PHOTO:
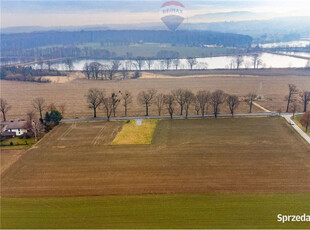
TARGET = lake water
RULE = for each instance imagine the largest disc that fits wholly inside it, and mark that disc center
(268, 61)
(286, 44)
(301, 54)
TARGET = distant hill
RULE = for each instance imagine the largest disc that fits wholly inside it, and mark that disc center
(239, 22)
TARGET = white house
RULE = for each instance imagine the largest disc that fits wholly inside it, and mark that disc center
(17, 127)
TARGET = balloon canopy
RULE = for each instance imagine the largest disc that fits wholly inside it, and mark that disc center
(172, 14)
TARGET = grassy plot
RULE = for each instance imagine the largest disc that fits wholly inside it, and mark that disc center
(133, 134)
(155, 211)
(17, 141)
(297, 122)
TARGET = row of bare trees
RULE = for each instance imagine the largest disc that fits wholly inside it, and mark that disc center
(255, 61)
(184, 99)
(96, 70)
(97, 99)
(295, 97)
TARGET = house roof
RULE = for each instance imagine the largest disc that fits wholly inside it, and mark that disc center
(17, 125)
(8, 134)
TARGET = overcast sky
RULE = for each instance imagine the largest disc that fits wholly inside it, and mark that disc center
(100, 12)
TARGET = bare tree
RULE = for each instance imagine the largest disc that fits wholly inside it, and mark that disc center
(68, 63)
(94, 98)
(113, 68)
(191, 62)
(149, 63)
(169, 101)
(250, 98)
(239, 60)
(87, 70)
(4, 107)
(188, 100)
(233, 103)
(176, 63)
(39, 105)
(305, 120)
(62, 109)
(31, 115)
(125, 72)
(305, 98)
(36, 128)
(139, 62)
(51, 107)
(159, 101)
(115, 102)
(255, 60)
(167, 62)
(95, 68)
(217, 98)
(108, 106)
(292, 91)
(179, 96)
(203, 98)
(197, 105)
(127, 99)
(49, 65)
(294, 107)
(146, 98)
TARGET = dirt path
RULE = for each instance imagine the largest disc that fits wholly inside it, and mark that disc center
(261, 107)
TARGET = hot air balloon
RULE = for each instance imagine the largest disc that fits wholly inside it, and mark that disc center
(172, 14)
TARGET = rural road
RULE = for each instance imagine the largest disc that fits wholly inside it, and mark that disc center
(165, 117)
(299, 130)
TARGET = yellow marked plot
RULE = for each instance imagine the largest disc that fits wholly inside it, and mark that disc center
(132, 134)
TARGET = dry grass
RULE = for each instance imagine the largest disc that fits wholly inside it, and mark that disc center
(132, 134)
(273, 90)
(241, 155)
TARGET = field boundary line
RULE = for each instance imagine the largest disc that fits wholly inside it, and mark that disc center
(97, 137)
(67, 131)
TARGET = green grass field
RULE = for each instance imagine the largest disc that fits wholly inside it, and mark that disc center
(17, 142)
(155, 211)
(151, 49)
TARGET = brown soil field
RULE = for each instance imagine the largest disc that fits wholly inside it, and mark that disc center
(241, 155)
(272, 89)
(9, 157)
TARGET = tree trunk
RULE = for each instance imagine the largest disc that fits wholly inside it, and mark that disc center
(4, 117)
(125, 110)
(146, 110)
(288, 103)
(41, 115)
(251, 106)
(95, 113)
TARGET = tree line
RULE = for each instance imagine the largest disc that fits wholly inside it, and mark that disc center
(182, 99)
(10, 42)
(27, 73)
